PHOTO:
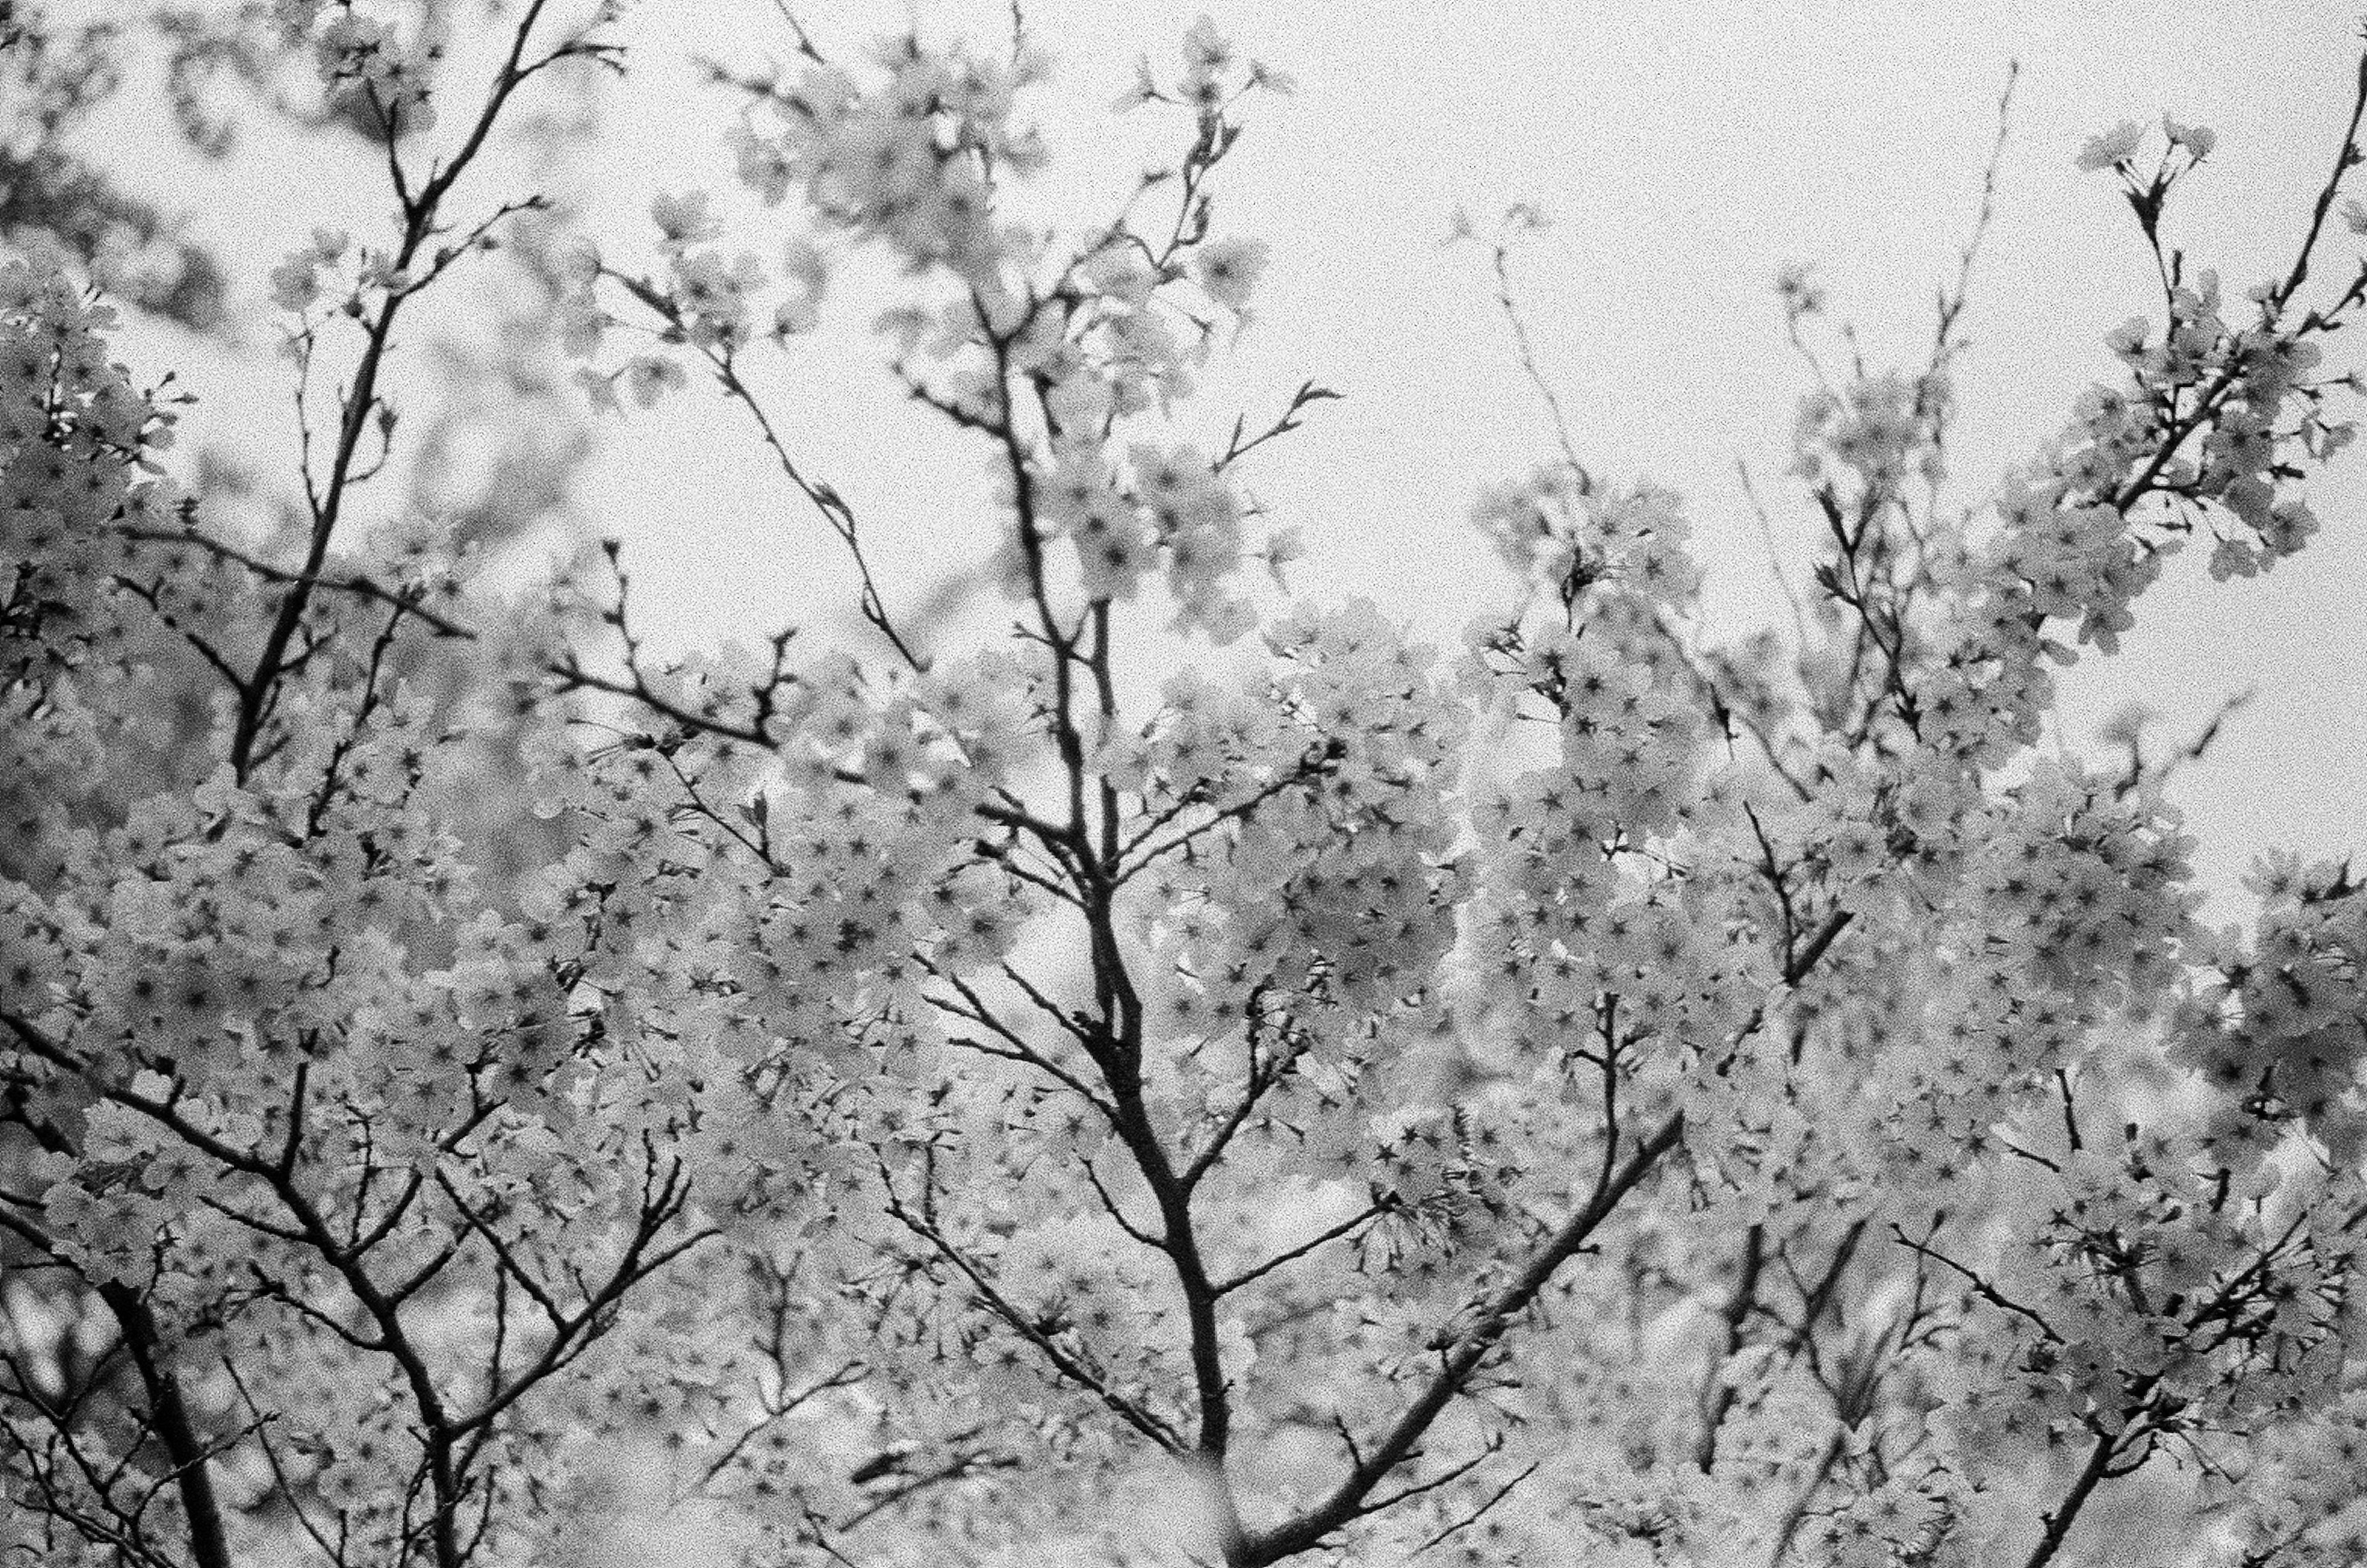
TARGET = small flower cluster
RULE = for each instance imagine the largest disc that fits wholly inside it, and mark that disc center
(78, 447)
(2167, 1301)
(1047, 359)
(2198, 430)
(364, 56)
(911, 159)
(2276, 1030)
(1563, 535)
(1874, 435)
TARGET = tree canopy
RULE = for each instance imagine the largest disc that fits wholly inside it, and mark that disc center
(1163, 1071)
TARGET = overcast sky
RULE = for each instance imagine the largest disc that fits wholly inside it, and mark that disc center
(1684, 151)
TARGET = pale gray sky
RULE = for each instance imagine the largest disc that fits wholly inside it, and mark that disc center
(1685, 151)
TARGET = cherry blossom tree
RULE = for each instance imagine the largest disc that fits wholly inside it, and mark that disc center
(1182, 1075)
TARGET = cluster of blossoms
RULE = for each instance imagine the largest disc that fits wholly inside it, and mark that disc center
(1862, 434)
(1557, 531)
(1063, 356)
(361, 53)
(2273, 1028)
(910, 158)
(2201, 435)
(78, 446)
(348, 280)
(1591, 1092)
